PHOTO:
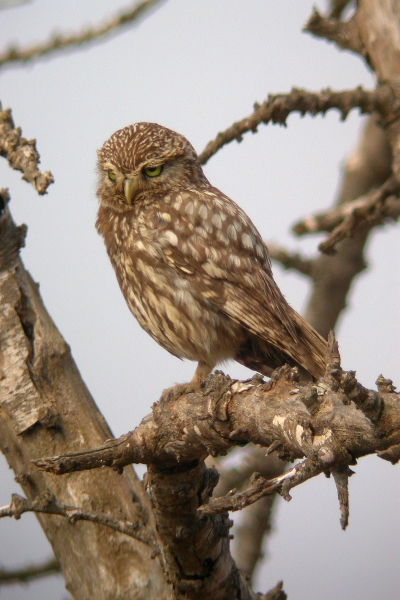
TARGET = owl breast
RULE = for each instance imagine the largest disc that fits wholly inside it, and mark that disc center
(161, 291)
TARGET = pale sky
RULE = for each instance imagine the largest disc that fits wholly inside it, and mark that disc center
(196, 67)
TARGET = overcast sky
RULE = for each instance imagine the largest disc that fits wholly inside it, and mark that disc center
(197, 66)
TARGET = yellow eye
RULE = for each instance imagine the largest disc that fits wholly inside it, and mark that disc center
(153, 171)
(112, 176)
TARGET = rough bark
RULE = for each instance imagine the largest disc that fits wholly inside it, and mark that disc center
(331, 423)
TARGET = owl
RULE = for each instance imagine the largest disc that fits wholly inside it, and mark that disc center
(191, 265)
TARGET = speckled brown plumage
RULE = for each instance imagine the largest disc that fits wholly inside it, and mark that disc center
(190, 263)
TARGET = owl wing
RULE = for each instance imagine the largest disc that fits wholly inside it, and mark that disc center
(225, 259)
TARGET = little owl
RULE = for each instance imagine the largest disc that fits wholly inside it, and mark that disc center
(193, 268)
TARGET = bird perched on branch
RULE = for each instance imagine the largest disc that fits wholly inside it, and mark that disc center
(193, 268)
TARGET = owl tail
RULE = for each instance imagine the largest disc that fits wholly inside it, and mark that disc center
(307, 351)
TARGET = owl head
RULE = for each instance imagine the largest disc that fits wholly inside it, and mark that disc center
(145, 159)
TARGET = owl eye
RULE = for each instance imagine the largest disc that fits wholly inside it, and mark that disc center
(153, 171)
(111, 176)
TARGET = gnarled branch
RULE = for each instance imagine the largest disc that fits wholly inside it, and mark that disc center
(21, 153)
(331, 424)
(278, 107)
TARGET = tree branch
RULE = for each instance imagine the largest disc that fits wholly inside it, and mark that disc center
(368, 167)
(45, 405)
(21, 153)
(331, 424)
(370, 212)
(372, 207)
(345, 34)
(343, 220)
(290, 260)
(29, 573)
(46, 503)
(277, 108)
(62, 41)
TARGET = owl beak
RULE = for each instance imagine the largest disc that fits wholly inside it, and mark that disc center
(130, 190)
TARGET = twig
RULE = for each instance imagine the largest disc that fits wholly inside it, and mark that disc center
(252, 459)
(290, 260)
(46, 503)
(21, 153)
(341, 478)
(262, 487)
(61, 41)
(29, 573)
(344, 33)
(277, 108)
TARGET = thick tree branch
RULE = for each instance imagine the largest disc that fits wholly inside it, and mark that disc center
(368, 167)
(61, 41)
(278, 107)
(21, 153)
(44, 406)
(331, 424)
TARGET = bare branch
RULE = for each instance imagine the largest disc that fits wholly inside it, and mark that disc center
(26, 574)
(345, 34)
(277, 108)
(331, 424)
(21, 153)
(47, 503)
(261, 487)
(256, 519)
(290, 260)
(341, 477)
(45, 405)
(343, 220)
(367, 168)
(372, 207)
(369, 212)
(337, 7)
(62, 41)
